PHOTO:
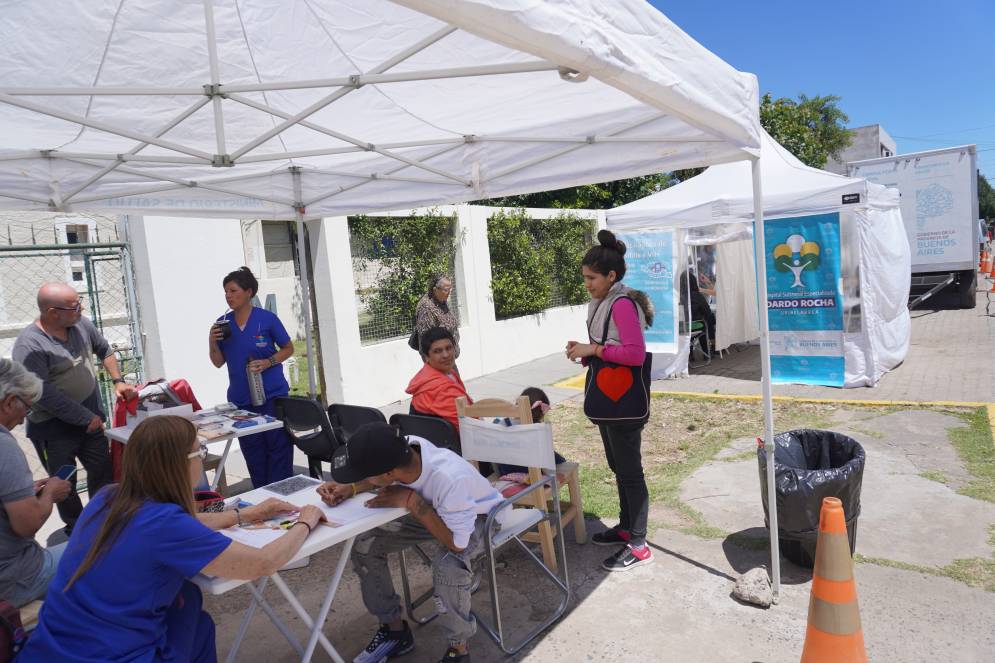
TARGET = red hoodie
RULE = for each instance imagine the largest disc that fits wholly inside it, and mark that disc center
(432, 391)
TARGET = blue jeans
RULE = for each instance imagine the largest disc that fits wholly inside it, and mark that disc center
(32, 589)
(269, 455)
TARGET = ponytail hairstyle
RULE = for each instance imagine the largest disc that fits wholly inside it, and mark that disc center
(244, 279)
(607, 256)
(538, 401)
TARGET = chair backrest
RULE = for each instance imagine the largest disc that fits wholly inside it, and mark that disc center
(307, 424)
(347, 418)
(436, 430)
(527, 444)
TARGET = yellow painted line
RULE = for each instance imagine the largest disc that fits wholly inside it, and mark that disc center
(576, 382)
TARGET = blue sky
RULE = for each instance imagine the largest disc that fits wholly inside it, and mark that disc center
(923, 70)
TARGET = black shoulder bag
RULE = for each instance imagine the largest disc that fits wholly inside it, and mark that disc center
(614, 393)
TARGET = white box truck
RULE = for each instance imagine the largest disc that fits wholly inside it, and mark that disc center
(939, 201)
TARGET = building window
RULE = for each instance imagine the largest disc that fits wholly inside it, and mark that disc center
(77, 234)
(279, 248)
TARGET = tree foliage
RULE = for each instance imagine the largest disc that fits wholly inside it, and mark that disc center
(532, 260)
(811, 128)
(986, 198)
(403, 253)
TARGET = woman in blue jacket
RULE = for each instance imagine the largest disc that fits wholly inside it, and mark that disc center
(256, 340)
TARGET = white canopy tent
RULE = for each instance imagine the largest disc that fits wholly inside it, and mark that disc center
(286, 109)
(716, 208)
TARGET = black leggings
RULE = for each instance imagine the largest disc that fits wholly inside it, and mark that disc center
(622, 448)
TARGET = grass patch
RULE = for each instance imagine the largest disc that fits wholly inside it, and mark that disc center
(973, 443)
(973, 572)
(935, 475)
(299, 386)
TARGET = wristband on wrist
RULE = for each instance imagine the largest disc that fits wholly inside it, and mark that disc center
(353, 489)
(117, 380)
(301, 522)
(272, 362)
(238, 516)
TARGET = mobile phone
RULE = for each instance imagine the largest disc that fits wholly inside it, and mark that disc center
(65, 472)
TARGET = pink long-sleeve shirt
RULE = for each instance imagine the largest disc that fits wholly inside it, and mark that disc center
(632, 351)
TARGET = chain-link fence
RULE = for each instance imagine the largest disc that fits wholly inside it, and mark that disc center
(393, 260)
(100, 272)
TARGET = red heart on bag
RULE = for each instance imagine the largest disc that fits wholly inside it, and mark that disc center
(614, 382)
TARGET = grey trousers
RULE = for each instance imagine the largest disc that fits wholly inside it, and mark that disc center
(451, 574)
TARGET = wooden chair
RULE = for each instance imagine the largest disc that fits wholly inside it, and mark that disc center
(572, 510)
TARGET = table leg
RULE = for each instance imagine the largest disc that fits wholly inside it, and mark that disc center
(246, 618)
(326, 605)
(275, 618)
(221, 464)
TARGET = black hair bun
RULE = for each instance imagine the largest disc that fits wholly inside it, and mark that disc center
(246, 270)
(607, 239)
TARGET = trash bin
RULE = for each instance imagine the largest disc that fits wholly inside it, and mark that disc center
(808, 466)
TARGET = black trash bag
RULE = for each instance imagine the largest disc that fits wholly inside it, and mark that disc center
(808, 466)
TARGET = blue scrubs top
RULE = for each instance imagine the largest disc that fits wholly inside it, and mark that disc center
(262, 337)
(116, 611)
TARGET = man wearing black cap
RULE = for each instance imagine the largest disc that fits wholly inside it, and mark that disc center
(449, 502)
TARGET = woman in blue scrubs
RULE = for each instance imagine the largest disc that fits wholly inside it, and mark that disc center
(121, 591)
(257, 339)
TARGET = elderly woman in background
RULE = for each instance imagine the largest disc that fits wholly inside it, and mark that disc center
(435, 388)
(121, 591)
(25, 567)
(433, 311)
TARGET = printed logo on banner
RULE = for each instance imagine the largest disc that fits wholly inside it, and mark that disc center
(650, 260)
(804, 299)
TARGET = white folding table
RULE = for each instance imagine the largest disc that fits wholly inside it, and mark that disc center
(321, 538)
(122, 433)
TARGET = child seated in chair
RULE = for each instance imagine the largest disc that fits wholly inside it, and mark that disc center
(448, 502)
(540, 406)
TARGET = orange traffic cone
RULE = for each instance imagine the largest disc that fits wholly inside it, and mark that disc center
(834, 634)
(986, 263)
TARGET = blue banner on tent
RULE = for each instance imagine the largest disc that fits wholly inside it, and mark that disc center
(649, 258)
(804, 300)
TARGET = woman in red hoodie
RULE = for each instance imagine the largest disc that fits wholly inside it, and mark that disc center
(435, 388)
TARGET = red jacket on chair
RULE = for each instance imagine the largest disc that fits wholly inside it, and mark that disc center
(123, 408)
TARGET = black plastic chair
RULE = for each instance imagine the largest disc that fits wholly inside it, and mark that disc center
(347, 418)
(436, 430)
(309, 428)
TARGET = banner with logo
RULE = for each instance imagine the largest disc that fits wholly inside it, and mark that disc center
(804, 299)
(649, 259)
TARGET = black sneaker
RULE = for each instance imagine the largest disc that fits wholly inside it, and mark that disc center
(453, 656)
(616, 536)
(387, 644)
(627, 558)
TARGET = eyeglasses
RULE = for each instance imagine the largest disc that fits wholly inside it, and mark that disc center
(446, 289)
(74, 309)
(200, 453)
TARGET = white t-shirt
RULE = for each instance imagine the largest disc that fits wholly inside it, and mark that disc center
(454, 488)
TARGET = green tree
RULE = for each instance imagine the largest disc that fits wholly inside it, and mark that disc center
(986, 198)
(403, 253)
(811, 128)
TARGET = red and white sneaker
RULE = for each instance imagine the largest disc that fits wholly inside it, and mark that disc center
(628, 557)
(611, 537)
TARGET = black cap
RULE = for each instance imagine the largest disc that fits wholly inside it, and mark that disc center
(373, 449)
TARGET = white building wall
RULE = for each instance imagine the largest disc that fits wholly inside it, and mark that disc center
(378, 374)
(179, 265)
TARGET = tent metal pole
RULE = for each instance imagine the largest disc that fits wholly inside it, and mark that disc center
(212, 51)
(295, 173)
(768, 399)
(102, 126)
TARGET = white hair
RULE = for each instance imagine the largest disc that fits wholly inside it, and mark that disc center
(19, 381)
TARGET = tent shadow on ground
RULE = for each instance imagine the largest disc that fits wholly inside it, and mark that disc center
(742, 364)
(750, 548)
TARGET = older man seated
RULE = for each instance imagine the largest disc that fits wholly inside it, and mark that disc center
(25, 567)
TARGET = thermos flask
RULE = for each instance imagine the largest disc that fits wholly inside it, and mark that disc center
(257, 393)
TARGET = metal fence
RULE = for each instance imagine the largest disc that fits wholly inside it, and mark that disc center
(102, 274)
(389, 279)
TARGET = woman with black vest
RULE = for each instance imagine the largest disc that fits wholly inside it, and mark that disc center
(616, 318)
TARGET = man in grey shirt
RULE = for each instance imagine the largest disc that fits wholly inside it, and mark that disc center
(25, 567)
(67, 422)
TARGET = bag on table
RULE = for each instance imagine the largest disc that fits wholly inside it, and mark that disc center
(614, 393)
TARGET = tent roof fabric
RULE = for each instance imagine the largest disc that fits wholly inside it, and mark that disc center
(724, 194)
(255, 108)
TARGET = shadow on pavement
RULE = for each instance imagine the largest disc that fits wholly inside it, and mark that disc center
(750, 548)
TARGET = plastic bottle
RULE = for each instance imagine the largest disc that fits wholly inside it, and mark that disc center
(257, 392)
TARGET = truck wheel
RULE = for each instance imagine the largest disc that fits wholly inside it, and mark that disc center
(967, 283)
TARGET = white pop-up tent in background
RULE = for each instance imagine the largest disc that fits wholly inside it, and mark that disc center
(716, 208)
(290, 110)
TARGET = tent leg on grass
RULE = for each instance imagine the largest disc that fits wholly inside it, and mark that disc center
(768, 400)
